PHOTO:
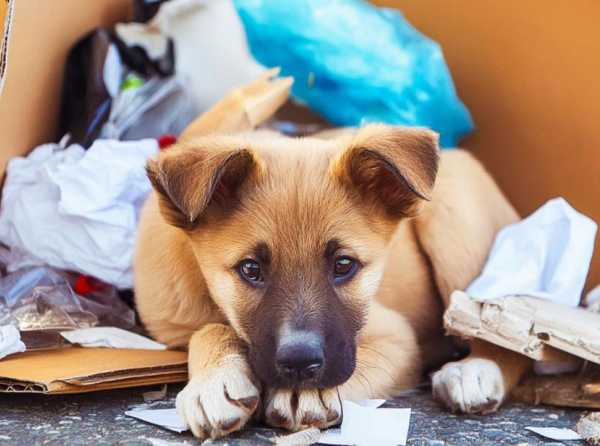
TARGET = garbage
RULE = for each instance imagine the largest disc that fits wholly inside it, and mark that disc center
(588, 427)
(121, 84)
(555, 433)
(167, 418)
(534, 257)
(395, 75)
(76, 210)
(10, 341)
(155, 395)
(77, 370)
(537, 328)
(210, 62)
(110, 337)
(580, 389)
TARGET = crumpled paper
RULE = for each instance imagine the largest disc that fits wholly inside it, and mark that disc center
(546, 255)
(110, 337)
(77, 210)
(10, 341)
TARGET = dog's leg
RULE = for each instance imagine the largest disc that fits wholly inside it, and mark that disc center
(480, 382)
(221, 394)
(456, 231)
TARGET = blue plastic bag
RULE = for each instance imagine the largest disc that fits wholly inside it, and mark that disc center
(355, 63)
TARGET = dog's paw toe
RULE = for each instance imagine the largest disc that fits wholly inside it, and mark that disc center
(218, 402)
(470, 386)
(295, 410)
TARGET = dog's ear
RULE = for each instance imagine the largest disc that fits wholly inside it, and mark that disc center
(391, 167)
(190, 181)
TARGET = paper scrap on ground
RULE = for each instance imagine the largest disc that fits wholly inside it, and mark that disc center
(363, 424)
(167, 418)
(111, 337)
(10, 341)
(555, 433)
(366, 424)
(75, 209)
(535, 257)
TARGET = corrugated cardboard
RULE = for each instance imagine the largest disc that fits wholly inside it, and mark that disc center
(538, 328)
(78, 370)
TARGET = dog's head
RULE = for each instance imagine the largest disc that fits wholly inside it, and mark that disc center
(291, 235)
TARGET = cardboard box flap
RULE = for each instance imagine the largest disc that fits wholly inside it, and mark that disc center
(6, 11)
(74, 368)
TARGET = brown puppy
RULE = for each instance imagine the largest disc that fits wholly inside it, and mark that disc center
(297, 268)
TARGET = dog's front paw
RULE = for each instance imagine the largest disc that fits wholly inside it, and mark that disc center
(471, 385)
(299, 409)
(218, 401)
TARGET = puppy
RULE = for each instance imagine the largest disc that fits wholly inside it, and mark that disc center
(298, 271)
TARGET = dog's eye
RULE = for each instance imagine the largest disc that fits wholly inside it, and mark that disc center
(250, 271)
(344, 269)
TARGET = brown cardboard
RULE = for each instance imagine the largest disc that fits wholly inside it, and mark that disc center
(77, 370)
(6, 9)
(540, 329)
(572, 390)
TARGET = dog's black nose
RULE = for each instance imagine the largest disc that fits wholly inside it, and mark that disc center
(300, 356)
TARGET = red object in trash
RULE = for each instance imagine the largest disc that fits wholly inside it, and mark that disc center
(167, 140)
(85, 285)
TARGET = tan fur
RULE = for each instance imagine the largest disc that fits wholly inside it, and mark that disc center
(298, 193)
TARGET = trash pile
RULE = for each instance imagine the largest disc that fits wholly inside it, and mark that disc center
(70, 209)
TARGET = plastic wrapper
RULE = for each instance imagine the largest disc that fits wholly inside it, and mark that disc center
(388, 72)
(120, 83)
(40, 302)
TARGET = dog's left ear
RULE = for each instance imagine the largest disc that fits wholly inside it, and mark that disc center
(394, 167)
(197, 181)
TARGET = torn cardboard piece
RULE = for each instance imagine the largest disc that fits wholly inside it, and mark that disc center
(540, 329)
(581, 389)
(78, 370)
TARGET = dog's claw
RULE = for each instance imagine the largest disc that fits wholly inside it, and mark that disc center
(218, 401)
(295, 410)
(472, 385)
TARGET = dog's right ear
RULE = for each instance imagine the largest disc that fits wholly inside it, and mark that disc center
(191, 181)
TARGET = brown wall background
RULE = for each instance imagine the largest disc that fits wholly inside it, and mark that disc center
(529, 71)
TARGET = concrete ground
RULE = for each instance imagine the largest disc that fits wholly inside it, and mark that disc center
(99, 419)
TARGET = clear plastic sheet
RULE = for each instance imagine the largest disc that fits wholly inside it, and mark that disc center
(40, 302)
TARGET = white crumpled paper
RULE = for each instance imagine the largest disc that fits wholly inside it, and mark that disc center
(10, 341)
(110, 337)
(546, 255)
(211, 64)
(77, 210)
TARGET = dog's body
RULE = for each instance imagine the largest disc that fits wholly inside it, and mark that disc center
(234, 256)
